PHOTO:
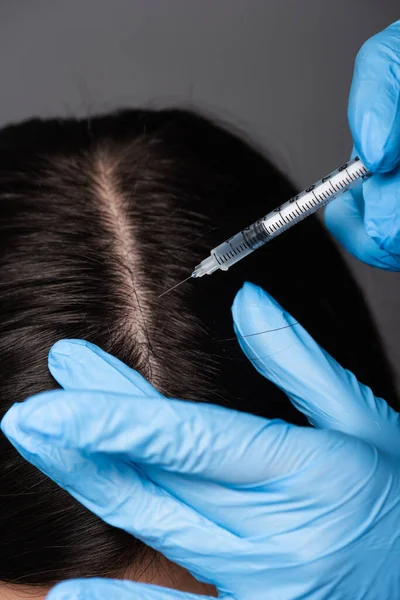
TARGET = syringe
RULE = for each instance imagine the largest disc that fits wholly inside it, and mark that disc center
(282, 218)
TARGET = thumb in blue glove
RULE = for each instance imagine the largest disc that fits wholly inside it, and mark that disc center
(367, 222)
(255, 507)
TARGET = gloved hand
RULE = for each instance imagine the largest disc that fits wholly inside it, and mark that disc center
(262, 509)
(367, 221)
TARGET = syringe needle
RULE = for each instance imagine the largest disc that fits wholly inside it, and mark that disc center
(175, 286)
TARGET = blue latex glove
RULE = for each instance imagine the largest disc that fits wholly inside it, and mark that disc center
(259, 508)
(367, 222)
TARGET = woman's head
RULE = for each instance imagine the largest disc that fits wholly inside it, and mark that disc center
(97, 219)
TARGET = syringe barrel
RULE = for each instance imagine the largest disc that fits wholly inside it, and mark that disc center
(284, 217)
(240, 245)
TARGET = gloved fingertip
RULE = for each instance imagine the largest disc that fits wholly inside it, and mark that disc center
(31, 416)
(256, 314)
(250, 292)
(66, 355)
(371, 154)
(66, 590)
(66, 347)
(9, 423)
(249, 298)
(375, 138)
(60, 355)
(378, 159)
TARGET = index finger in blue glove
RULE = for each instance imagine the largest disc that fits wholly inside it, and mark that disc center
(202, 440)
(283, 352)
(107, 589)
(374, 105)
(122, 495)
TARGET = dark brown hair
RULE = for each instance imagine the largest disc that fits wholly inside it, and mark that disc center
(97, 218)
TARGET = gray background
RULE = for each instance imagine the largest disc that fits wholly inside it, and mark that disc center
(280, 69)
